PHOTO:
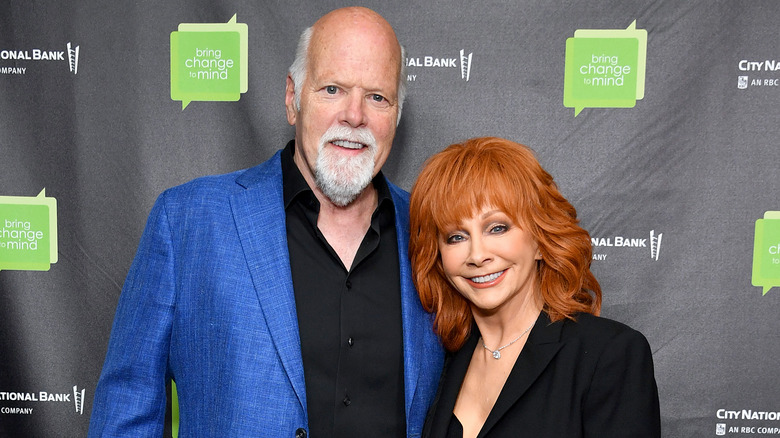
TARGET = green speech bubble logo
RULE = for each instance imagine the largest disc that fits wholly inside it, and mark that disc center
(209, 62)
(605, 68)
(766, 252)
(28, 232)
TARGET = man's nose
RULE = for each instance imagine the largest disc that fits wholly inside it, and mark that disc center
(355, 111)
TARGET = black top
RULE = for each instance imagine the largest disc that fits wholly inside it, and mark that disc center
(455, 429)
(349, 320)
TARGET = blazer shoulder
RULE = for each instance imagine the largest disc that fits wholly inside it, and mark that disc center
(399, 194)
(400, 204)
(599, 330)
(203, 185)
(216, 186)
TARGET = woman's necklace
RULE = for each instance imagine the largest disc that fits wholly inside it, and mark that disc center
(496, 353)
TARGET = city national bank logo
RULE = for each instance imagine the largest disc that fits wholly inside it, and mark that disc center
(76, 397)
(209, 62)
(605, 68)
(70, 54)
(767, 67)
(766, 252)
(744, 418)
(28, 232)
(462, 62)
(652, 243)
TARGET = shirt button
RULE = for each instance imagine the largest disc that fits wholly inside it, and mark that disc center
(300, 433)
(347, 401)
(350, 341)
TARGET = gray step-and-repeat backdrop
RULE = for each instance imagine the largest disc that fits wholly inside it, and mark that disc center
(659, 120)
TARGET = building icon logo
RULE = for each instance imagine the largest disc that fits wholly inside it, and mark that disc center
(73, 58)
(655, 244)
(465, 65)
(78, 399)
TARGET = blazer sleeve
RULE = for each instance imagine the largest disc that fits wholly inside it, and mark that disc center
(623, 397)
(130, 397)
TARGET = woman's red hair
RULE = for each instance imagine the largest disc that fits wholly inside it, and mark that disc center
(456, 184)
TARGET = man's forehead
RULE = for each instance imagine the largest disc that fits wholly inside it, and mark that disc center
(363, 42)
(354, 31)
(353, 60)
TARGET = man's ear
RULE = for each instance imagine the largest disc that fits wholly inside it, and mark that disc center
(289, 101)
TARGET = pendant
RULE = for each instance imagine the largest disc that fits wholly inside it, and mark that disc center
(496, 355)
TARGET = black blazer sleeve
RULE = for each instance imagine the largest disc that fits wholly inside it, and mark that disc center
(622, 400)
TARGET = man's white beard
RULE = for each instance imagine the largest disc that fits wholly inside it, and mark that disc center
(342, 178)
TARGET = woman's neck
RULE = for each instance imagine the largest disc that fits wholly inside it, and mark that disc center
(505, 324)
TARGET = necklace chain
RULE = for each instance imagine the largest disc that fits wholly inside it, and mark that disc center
(496, 353)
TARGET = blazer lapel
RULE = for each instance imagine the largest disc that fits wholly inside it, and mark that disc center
(259, 216)
(412, 355)
(543, 343)
(422, 350)
(451, 381)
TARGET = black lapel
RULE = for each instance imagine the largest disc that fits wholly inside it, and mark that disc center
(542, 345)
(449, 387)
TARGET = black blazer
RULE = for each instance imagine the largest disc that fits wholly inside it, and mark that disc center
(590, 378)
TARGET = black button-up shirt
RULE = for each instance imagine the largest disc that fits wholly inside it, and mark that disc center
(349, 319)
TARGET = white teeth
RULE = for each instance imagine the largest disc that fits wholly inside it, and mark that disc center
(486, 278)
(347, 144)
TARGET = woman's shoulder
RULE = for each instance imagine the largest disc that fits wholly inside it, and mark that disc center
(597, 329)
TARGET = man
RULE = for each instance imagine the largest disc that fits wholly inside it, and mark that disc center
(279, 299)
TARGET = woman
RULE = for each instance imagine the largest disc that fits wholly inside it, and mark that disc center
(499, 258)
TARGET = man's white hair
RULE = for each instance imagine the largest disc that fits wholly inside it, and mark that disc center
(298, 68)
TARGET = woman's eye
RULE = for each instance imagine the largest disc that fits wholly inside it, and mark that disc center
(498, 229)
(455, 238)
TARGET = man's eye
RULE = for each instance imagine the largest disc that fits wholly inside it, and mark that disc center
(331, 89)
(377, 98)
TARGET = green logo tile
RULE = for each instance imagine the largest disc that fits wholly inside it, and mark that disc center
(209, 62)
(766, 252)
(605, 68)
(28, 232)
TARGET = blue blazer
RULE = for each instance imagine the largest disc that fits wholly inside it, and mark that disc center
(208, 302)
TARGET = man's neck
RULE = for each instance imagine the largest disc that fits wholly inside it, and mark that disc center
(344, 227)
